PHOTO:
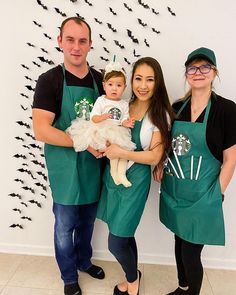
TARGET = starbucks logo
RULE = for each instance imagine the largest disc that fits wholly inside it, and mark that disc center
(83, 108)
(181, 144)
(116, 113)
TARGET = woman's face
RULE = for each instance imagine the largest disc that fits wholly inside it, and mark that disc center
(143, 83)
(200, 74)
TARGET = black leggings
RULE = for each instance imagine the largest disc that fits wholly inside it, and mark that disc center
(189, 265)
(125, 252)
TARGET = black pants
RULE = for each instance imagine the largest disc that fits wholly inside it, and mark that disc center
(189, 265)
(125, 252)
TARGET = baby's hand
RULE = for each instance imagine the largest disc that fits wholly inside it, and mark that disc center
(129, 123)
(106, 116)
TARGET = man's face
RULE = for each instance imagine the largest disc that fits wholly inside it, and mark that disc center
(75, 44)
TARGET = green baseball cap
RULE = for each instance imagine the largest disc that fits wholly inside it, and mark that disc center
(204, 53)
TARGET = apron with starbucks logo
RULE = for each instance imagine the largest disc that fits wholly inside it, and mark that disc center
(191, 200)
(75, 178)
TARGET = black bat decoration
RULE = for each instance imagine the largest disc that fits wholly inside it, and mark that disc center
(35, 146)
(42, 174)
(21, 123)
(24, 95)
(170, 11)
(23, 108)
(30, 135)
(154, 11)
(44, 50)
(89, 3)
(80, 16)
(26, 146)
(73, 1)
(37, 24)
(101, 36)
(38, 163)
(60, 12)
(59, 49)
(31, 154)
(143, 4)
(28, 78)
(24, 204)
(27, 188)
(127, 7)
(13, 195)
(111, 28)
(146, 43)
(135, 54)
(155, 31)
(106, 49)
(103, 58)
(43, 195)
(98, 21)
(118, 44)
(47, 36)
(25, 67)
(25, 164)
(41, 4)
(42, 186)
(142, 23)
(30, 44)
(112, 11)
(16, 225)
(19, 156)
(16, 210)
(26, 217)
(19, 180)
(29, 87)
(35, 202)
(26, 171)
(36, 64)
(50, 62)
(135, 40)
(19, 138)
(126, 60)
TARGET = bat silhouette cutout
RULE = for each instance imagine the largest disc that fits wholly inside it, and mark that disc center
(24, 95)
(38, 163)
(50, 62)
(19, 138)
(36, 64)
(101, 36)
(59, 49)
(47, 36)
(111, 28)
(35, 146)
(14, 195)
(26, 171)
(87, 2)
(41, 185)
(28, 78)
(155, 31)
(146, 43)
(27, 188)
(26, 146)
(17, 210)
(16, 225)
(19, 180)
(127, 7)
(60, 12)
(30, 44)
(119, 45)
(126, 60)
(37, 24)
(25, 164)
(24, 204)
(73, 1)
(29, 87)
(42, 174)
(135, 54)
(35, 202)
(112, 11)
(103, 58)
(41, 4)
(135, 40)
(43, 195)
(19, 156)
(23, 108)
(80, 16)
(26, 217)
(98, 21)
(30, 135)
(143, 4)
(141, 22)
(154, 11)
(171, 11)
(44, 50)
(31, 154)
(105, 49)
(25, 67)
(21, 123)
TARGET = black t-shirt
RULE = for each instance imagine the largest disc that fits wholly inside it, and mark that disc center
(49, 88)
(221, 124)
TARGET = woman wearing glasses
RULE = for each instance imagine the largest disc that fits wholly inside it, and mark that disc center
(198, 169)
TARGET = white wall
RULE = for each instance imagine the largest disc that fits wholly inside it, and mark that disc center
(197, 23)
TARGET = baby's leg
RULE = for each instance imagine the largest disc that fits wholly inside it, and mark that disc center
(121, 173)
(114, 169)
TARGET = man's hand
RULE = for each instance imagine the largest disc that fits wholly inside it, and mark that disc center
(95, 153)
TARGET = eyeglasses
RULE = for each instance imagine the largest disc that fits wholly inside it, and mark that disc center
(204, 69)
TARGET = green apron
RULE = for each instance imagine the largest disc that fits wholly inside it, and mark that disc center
(191, 201)
(75, 178)
(120, 207)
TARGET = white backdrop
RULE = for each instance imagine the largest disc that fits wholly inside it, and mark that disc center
(196, 23)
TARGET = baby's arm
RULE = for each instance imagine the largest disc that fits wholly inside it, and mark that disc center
(128, 123)
(100, 118)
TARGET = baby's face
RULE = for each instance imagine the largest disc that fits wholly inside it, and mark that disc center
(114, 87)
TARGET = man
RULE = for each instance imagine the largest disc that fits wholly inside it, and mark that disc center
(75, 178)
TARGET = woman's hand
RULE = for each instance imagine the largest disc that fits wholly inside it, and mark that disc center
(95, 153)
(113, 151)
(157, 173)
